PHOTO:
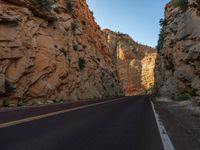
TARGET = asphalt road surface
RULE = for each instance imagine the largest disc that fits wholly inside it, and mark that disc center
(125, 124)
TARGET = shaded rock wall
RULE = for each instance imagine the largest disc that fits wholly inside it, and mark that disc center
(178, 63)
(51, 51)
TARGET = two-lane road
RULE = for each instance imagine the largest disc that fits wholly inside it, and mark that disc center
(125, 124)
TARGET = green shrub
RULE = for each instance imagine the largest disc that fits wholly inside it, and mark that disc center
(192, 92)
(182, 97)
(5, 103)
(81, 63)
(64, 51)
(56, 46)
(83, 22)
(84, 46)
(169, 65)
(92, 12)
(133, 50)
(74, 26)
(182, 4)
(8, 88)
(160, 40)
(156, 94)
(43, 4)
(75, 47)
(69, 6)
(121, 34)
(20, 103)
(145, 91)
(162, 22)
(155, 91)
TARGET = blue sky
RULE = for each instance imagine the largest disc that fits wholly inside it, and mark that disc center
(138, 18)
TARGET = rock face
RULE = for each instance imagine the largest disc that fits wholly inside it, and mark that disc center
(178, 63)
(53, 50)
(135, 62)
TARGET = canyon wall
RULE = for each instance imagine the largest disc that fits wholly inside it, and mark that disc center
(135, 62)
(52, 51)
(178, 64)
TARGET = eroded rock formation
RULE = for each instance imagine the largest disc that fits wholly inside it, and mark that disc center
(51, 51)
(178, 63)
(135, 62)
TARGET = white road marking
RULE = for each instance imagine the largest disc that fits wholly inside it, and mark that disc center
(163, 133)
(12, 123)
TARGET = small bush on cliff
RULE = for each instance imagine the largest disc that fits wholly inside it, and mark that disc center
(162, 23)
(81, 63)
(43, 4)
(133, 50)
(75, 47)
(160, 40)
(182, 4)
(83, 22)
(69, 6)
(169, 65)
(84, 46)
(74, 26)
(64, 51)
(8, 88)
(121, 34)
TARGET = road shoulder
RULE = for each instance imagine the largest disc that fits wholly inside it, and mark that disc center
(181, 122)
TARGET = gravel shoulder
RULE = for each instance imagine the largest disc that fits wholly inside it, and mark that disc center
(182, 122)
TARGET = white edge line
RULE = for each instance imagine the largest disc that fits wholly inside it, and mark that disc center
(163, 133)
(12, 123)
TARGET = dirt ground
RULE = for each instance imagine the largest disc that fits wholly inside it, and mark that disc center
(182, 122)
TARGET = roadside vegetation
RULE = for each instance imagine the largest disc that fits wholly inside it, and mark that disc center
(5, 102)
(185, 96)
(8, 88)
(181, 97)
(154, 90)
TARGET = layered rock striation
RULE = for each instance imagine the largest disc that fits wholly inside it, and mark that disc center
(51, 51)
(135, 62)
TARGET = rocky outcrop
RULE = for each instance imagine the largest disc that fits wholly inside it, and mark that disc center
(135, 62)
(178, 63)
(51, 51)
